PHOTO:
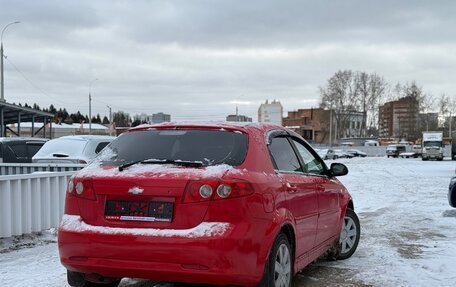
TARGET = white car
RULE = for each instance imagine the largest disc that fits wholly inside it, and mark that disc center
(72, 149)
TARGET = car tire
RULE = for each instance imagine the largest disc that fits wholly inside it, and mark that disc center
(110, 284)
(281, 256)
(349, 235)
(335, 157)
(76, 279)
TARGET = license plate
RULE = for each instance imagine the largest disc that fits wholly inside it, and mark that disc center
(139, 210)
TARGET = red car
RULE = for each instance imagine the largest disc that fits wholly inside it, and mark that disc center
(219, 204)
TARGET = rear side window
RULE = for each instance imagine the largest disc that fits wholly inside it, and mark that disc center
(33, 148)
(210, 147)
(283, 155)
(19, 149)
(101, 146)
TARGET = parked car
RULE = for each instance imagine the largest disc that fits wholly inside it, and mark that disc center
(416, 148)
(357, 153)
(452, 192)
(197, 203)
(19, 149)
(394, 150)
(408, 155)
(327, 154)
(72, 149)
(342, 154)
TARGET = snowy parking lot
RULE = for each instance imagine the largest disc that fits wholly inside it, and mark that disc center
(408, 233)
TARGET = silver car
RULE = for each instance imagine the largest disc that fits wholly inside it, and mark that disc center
(72, 149)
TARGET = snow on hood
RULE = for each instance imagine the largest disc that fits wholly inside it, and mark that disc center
(74, 223)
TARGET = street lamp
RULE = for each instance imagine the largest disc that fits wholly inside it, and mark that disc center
(2, 88)
(90, 105)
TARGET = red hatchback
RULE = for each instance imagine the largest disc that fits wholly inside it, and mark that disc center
(220, 204)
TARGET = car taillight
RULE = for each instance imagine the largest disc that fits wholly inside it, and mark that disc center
(81, 187)
(233, 188)
(200, 190)
(205, 190)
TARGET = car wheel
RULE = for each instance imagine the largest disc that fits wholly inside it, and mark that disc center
(349, 235)
(76, 279)
(336, 157)
(279, 268)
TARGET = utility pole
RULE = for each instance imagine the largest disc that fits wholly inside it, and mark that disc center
(90, 114)
(2, 88)
(110, 120)
(2, 98)
(450, 126)
(330, 126)
(90, 105)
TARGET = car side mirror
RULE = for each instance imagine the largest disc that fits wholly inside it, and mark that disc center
(338, 169)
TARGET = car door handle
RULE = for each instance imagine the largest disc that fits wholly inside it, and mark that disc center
(291, 188)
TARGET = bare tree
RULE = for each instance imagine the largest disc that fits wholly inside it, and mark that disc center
(443, 103)
(340, 95)
(372, 91)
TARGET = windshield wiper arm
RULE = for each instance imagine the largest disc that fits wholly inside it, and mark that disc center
(162, 161)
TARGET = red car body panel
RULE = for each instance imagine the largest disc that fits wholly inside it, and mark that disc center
(311, 206)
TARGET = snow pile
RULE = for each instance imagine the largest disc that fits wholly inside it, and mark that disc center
(74, 223)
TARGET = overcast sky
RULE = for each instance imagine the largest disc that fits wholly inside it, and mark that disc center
(199, 59)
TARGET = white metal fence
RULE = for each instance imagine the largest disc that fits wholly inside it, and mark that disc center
(31, 202)
(24, 168)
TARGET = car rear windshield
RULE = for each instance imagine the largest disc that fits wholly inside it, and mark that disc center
(210, 147)
(65, 147)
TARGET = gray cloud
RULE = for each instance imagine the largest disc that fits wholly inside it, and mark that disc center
(202, 58)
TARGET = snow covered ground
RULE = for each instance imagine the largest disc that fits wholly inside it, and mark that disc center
(408, 233)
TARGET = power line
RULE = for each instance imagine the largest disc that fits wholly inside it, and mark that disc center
(35, 86)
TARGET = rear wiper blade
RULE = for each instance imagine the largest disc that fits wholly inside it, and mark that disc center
(162, 161)
(60, 155)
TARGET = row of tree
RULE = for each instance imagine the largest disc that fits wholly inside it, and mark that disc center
(61, 115)
(348, 92)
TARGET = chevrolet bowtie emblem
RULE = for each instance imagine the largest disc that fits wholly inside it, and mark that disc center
(135, 190)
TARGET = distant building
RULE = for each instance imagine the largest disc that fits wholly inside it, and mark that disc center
(311, 124)
(238, 118)
(399, 119)
(350, 124)
(144, 118)
(270, 113)
(159, 118)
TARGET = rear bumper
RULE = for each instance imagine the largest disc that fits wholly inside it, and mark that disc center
(432, 155)
(212, 253)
